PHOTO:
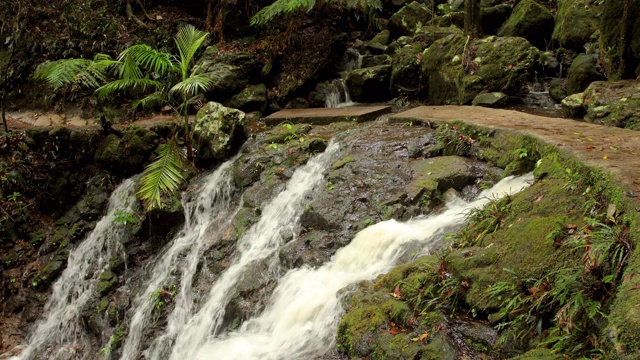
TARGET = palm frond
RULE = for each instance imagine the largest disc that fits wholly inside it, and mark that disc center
(188, 40)
(155, 99)
(163, 176)
(124, 84)
(84, 72)
(151, 59)
(192, 85)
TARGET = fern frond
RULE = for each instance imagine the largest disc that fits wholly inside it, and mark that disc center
(156, 61)
(281, 7)
(188, 40)
(163, 176)
(124, 84)
(192, 85)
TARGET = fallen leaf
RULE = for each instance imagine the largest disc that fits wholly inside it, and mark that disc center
(539, 198)
(605, 157)
(423, 336)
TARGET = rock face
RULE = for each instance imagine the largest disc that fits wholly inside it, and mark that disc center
(583, 71)
(251, 98)
(410, 18)
(499, 64)
(217, 132)
(230, 72)
(576, 23)
(531, 21)
(125, 155)
(369, 84)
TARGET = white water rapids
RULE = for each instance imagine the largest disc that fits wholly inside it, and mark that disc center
(207, 216)
(301, 318)
(61, 334)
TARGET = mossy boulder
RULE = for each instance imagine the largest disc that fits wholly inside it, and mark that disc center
(428, 34)
(369, 84)
(558, 89)
(251, 98)
(218, 132)
(410, 18)
(492, 100)
(613, 103)
(383, 38)
(583, 71)
(127, 154)
(531, 21)
(576, 23)
(501, 64)
(620, 39)
(404, 67)
(229, 72)
(573, 105)
(376, 60)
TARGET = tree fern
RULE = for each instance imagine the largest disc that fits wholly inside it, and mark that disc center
(83, 72)
(163, 176)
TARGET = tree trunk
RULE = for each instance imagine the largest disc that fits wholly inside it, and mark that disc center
(472, 25)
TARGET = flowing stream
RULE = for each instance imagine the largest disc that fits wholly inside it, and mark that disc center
(260, 242)
(206, 216)
(61, 334)
(301, 318)
(338, 92)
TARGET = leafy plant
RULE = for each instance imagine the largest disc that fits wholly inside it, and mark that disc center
(14, 197)
(281, 8)
(136, 70)
(452, 140)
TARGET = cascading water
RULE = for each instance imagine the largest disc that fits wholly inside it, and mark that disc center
(260, 242)
(206, 216)
(338, 92)
(61, 334)
(302, 316)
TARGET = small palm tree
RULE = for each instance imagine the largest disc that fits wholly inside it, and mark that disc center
(137, 69)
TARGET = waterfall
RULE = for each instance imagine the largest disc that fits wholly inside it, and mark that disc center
(302, 316)
(206, 216)
(61, 334)
(260, 242)
(338, 92)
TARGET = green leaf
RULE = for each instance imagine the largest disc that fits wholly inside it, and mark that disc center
(153, 60)
(163, 176)
(126, 84)
(188, 40)
(192, 85)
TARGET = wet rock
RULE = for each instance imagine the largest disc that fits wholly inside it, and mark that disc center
(318, 96)
(583, 71)
(620, 39)
(573, 105)
(126, 155)
(218, 132)
(312, 220)
(404, 67)
(558, 89)
(108, 281)
(576, 23)
(247, 169)
(376, 48)
(531, 21)
(251, 98)
(160, 224)
(369, 84)
(230, 72)
(452, 19)
(50, 272)
(410, 18)
(491, 100)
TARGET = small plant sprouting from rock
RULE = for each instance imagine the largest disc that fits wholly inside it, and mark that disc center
(126, 217)
(481, 222)
(452, 140)
(164, 296)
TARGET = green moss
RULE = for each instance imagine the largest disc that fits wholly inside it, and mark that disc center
(107, 282)
(576, 21)
(340, 163)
